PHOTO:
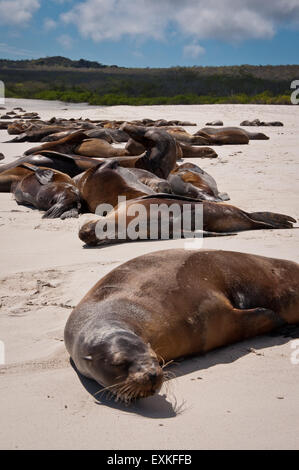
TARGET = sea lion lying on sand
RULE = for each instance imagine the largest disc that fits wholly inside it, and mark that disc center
(169, 304)
(236, 131)
(50, 191)
(190, 180)
(218, 219)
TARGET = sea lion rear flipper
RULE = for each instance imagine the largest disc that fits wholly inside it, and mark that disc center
(44, 176)
(257, 321)
(276, 220)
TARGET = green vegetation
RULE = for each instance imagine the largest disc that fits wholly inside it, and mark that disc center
(59, 78)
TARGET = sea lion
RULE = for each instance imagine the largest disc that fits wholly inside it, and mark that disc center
(183, 150)
(50, 191)
(78, 143)
(194, 151)
(158, 185)
(215, 123)
(72, 165)
(190, 180)
(99, 148)
(218, 218)
(161, 154)
(223, 136)
(66, 145)
(134, 148)
(104, 183)
(234, 130)
(175, 303)
(257, 122)
(33, 134)
(14, 175)
(183, 137)
(57, 135)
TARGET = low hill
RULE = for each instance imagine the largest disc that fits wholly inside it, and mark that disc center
(83, 80)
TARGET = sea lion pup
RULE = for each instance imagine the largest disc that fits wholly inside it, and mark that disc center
(48, 190)
(171, 304)
(190, 180)
(1, 156)
(161, 154)
(218, 219)
(251, 135)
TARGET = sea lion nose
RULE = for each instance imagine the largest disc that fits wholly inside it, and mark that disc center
(153, 377)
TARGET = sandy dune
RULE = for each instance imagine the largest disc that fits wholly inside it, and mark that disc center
(243, 396)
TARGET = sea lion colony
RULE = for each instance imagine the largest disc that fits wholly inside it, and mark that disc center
(76, 168)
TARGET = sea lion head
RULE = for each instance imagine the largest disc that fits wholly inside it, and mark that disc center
(120, 361)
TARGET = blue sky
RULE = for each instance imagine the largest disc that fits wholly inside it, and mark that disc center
(154, 33)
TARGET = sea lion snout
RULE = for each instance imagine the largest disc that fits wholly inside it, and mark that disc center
(148, 374)
(87, 233)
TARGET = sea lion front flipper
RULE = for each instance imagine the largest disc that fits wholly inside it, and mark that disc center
(44, 176)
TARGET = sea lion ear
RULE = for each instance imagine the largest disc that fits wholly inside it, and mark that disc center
(87, 358)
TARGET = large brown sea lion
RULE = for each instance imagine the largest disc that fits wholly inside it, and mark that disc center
(72, 165)
(218, 218)
(175, 303)
(66, 145)
(79, 143)
(223, 136)
(103, 184)
(99, 148)
(161, 154)
(50, 191)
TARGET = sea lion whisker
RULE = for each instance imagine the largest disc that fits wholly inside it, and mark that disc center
(109, 387)
(167, 364)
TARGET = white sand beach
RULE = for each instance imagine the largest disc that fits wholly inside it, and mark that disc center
(240, 397)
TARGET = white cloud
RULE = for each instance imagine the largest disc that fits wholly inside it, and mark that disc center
(65, 41)
(228, 20)
(193, 50)
(17, 12)
(49, 24)
(113, 19)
